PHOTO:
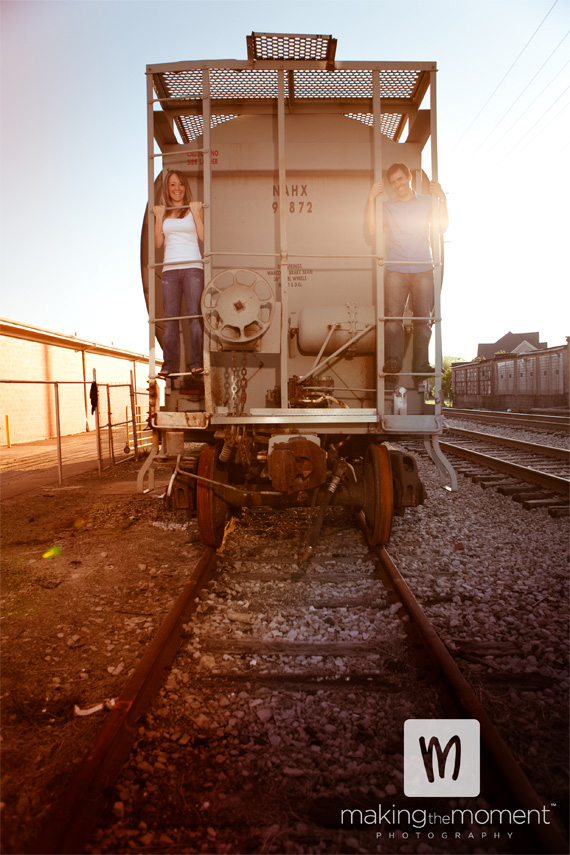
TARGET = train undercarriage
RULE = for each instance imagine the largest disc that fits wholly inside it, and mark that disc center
(249, 467)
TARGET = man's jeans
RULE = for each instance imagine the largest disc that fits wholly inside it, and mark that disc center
(190, 282)
(397, 287)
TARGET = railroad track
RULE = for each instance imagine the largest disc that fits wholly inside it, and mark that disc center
(536, 475)
(298, 680)
(538, 421)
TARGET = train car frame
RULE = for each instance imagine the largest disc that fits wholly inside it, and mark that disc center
(293, 407)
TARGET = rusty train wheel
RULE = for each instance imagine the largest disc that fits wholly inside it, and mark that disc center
(378, 494)
(212, 511)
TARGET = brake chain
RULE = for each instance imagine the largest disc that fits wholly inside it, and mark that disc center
(233, 383)
(243, 383)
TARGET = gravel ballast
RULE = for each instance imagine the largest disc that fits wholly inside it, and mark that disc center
(491, 576)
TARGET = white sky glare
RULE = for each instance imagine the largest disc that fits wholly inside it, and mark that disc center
(73, 148)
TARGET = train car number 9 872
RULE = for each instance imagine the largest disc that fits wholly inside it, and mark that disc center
(296, 207)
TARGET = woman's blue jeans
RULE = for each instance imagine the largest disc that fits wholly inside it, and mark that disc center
(397, 287)
(190, 282)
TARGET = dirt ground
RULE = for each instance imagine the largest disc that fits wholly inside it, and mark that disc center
(89, 570)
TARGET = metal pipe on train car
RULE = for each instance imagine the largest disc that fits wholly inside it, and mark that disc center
(150, 236)
(378, 274)
(438, 237)
(340, 350)
(332, 329)
(300, 255)
(283, 263)
(207, 176)
(349, 494)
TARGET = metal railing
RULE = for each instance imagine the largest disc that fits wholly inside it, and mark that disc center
(123, 438)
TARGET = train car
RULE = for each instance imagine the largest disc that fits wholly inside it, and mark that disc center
(293, 408)
(520, 382)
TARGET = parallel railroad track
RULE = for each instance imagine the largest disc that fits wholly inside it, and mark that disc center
(537, 475)
(297, 682)
(560, 424)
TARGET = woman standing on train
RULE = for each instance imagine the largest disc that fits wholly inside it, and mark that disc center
(179, 224)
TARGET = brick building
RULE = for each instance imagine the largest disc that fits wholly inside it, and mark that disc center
(33, 354)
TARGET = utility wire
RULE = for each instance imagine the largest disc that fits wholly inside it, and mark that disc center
(553, 119)
(533, 102)
(504, 78)
(539, 120)
(504, 116)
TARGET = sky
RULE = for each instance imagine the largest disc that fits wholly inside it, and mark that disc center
(73, 148)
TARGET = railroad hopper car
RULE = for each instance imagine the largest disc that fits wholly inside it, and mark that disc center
(293, 408)
(520, 382)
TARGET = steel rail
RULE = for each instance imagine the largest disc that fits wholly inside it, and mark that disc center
(532, 420)
(75, 814)
(552, 836)
(533, 447)
(523, 473)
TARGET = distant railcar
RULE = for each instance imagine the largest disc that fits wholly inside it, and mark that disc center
(520, 382)
(293, 408)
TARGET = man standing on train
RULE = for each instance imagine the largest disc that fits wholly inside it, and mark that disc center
(408, 220)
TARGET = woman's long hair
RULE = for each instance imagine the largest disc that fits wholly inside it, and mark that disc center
(168, 202)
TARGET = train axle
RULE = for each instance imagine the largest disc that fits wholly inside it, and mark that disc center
(297, 473)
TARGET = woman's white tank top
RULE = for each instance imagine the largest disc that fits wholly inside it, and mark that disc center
(181, 248)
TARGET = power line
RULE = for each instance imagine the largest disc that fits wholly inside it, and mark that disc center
(504, 116)
(553, 119)
(518, 142)
(504, 78)
(534, 102)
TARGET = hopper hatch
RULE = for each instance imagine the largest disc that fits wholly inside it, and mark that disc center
(291, 46)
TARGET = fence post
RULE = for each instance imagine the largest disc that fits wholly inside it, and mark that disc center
(58, 428)
(134, 418)
(8, 443)
(97, 426)
(110, 427)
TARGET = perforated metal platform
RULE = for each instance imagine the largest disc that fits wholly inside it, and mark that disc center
(290, 46)
(227, 83)
(313, 77)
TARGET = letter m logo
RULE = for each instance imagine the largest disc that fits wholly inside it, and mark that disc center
(427, 754)
(429, 769)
